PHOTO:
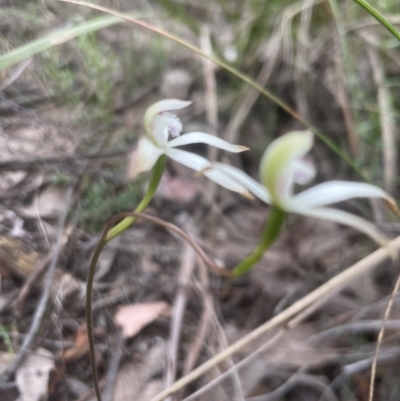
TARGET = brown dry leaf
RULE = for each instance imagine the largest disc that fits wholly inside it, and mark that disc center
(32, 377)
(49, 204)
(132, 318)
(81, 347)
(18, 259)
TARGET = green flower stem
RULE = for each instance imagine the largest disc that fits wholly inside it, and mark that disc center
(155, 178)
(270, 234)
(111, 231)
(379, 17)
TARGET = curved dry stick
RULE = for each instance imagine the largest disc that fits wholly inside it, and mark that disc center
(171, 227)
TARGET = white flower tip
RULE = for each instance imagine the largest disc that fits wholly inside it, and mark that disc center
(247, 195)
(200, 173)
(242, 148)
(391, 204)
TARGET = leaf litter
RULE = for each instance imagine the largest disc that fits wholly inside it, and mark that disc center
(138, 276)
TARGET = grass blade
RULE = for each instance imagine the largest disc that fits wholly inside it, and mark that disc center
(53, 39)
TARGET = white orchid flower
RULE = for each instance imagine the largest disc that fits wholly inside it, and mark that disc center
(283, 165)
(162, 137)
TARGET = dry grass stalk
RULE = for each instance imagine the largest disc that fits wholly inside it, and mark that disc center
(331, 287)
(386, 120)
(380, 338)
(344, 103)
(301, 67)
(210, 97)
(231, 133)
(341, 62)
(205, 319)
(185, 273)
(269, 343)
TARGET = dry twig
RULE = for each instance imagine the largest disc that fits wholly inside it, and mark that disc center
(185, 273)
(337, 282)
(386, 120)
(116, 355)
(380, 337)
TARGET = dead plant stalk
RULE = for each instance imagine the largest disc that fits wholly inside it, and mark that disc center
(330, 287)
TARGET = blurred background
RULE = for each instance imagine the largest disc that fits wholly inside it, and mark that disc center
(71, 110)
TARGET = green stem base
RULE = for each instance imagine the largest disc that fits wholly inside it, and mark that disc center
(271, 231)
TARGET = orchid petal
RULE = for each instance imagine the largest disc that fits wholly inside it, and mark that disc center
(146, 156)
(160, 107)
(200, 137)
(163, 105)
(221, 178)
(278, 164)
(338, 191)
(242, 178)
(347, 219)
(163, 125)
(188, 159)
(199, 163)
(303, 171)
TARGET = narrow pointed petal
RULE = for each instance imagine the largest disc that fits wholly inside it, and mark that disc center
(347, 219)
(338, 191)
(200, 137)
(146, 156)
(221, 178)
(199, 163)
(188, 159)
(242, 178)
(278, 164)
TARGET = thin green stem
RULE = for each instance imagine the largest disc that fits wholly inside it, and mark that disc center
(156, 174)
(271, 231)
(233, 71)
(111, 231)
(379, 17)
